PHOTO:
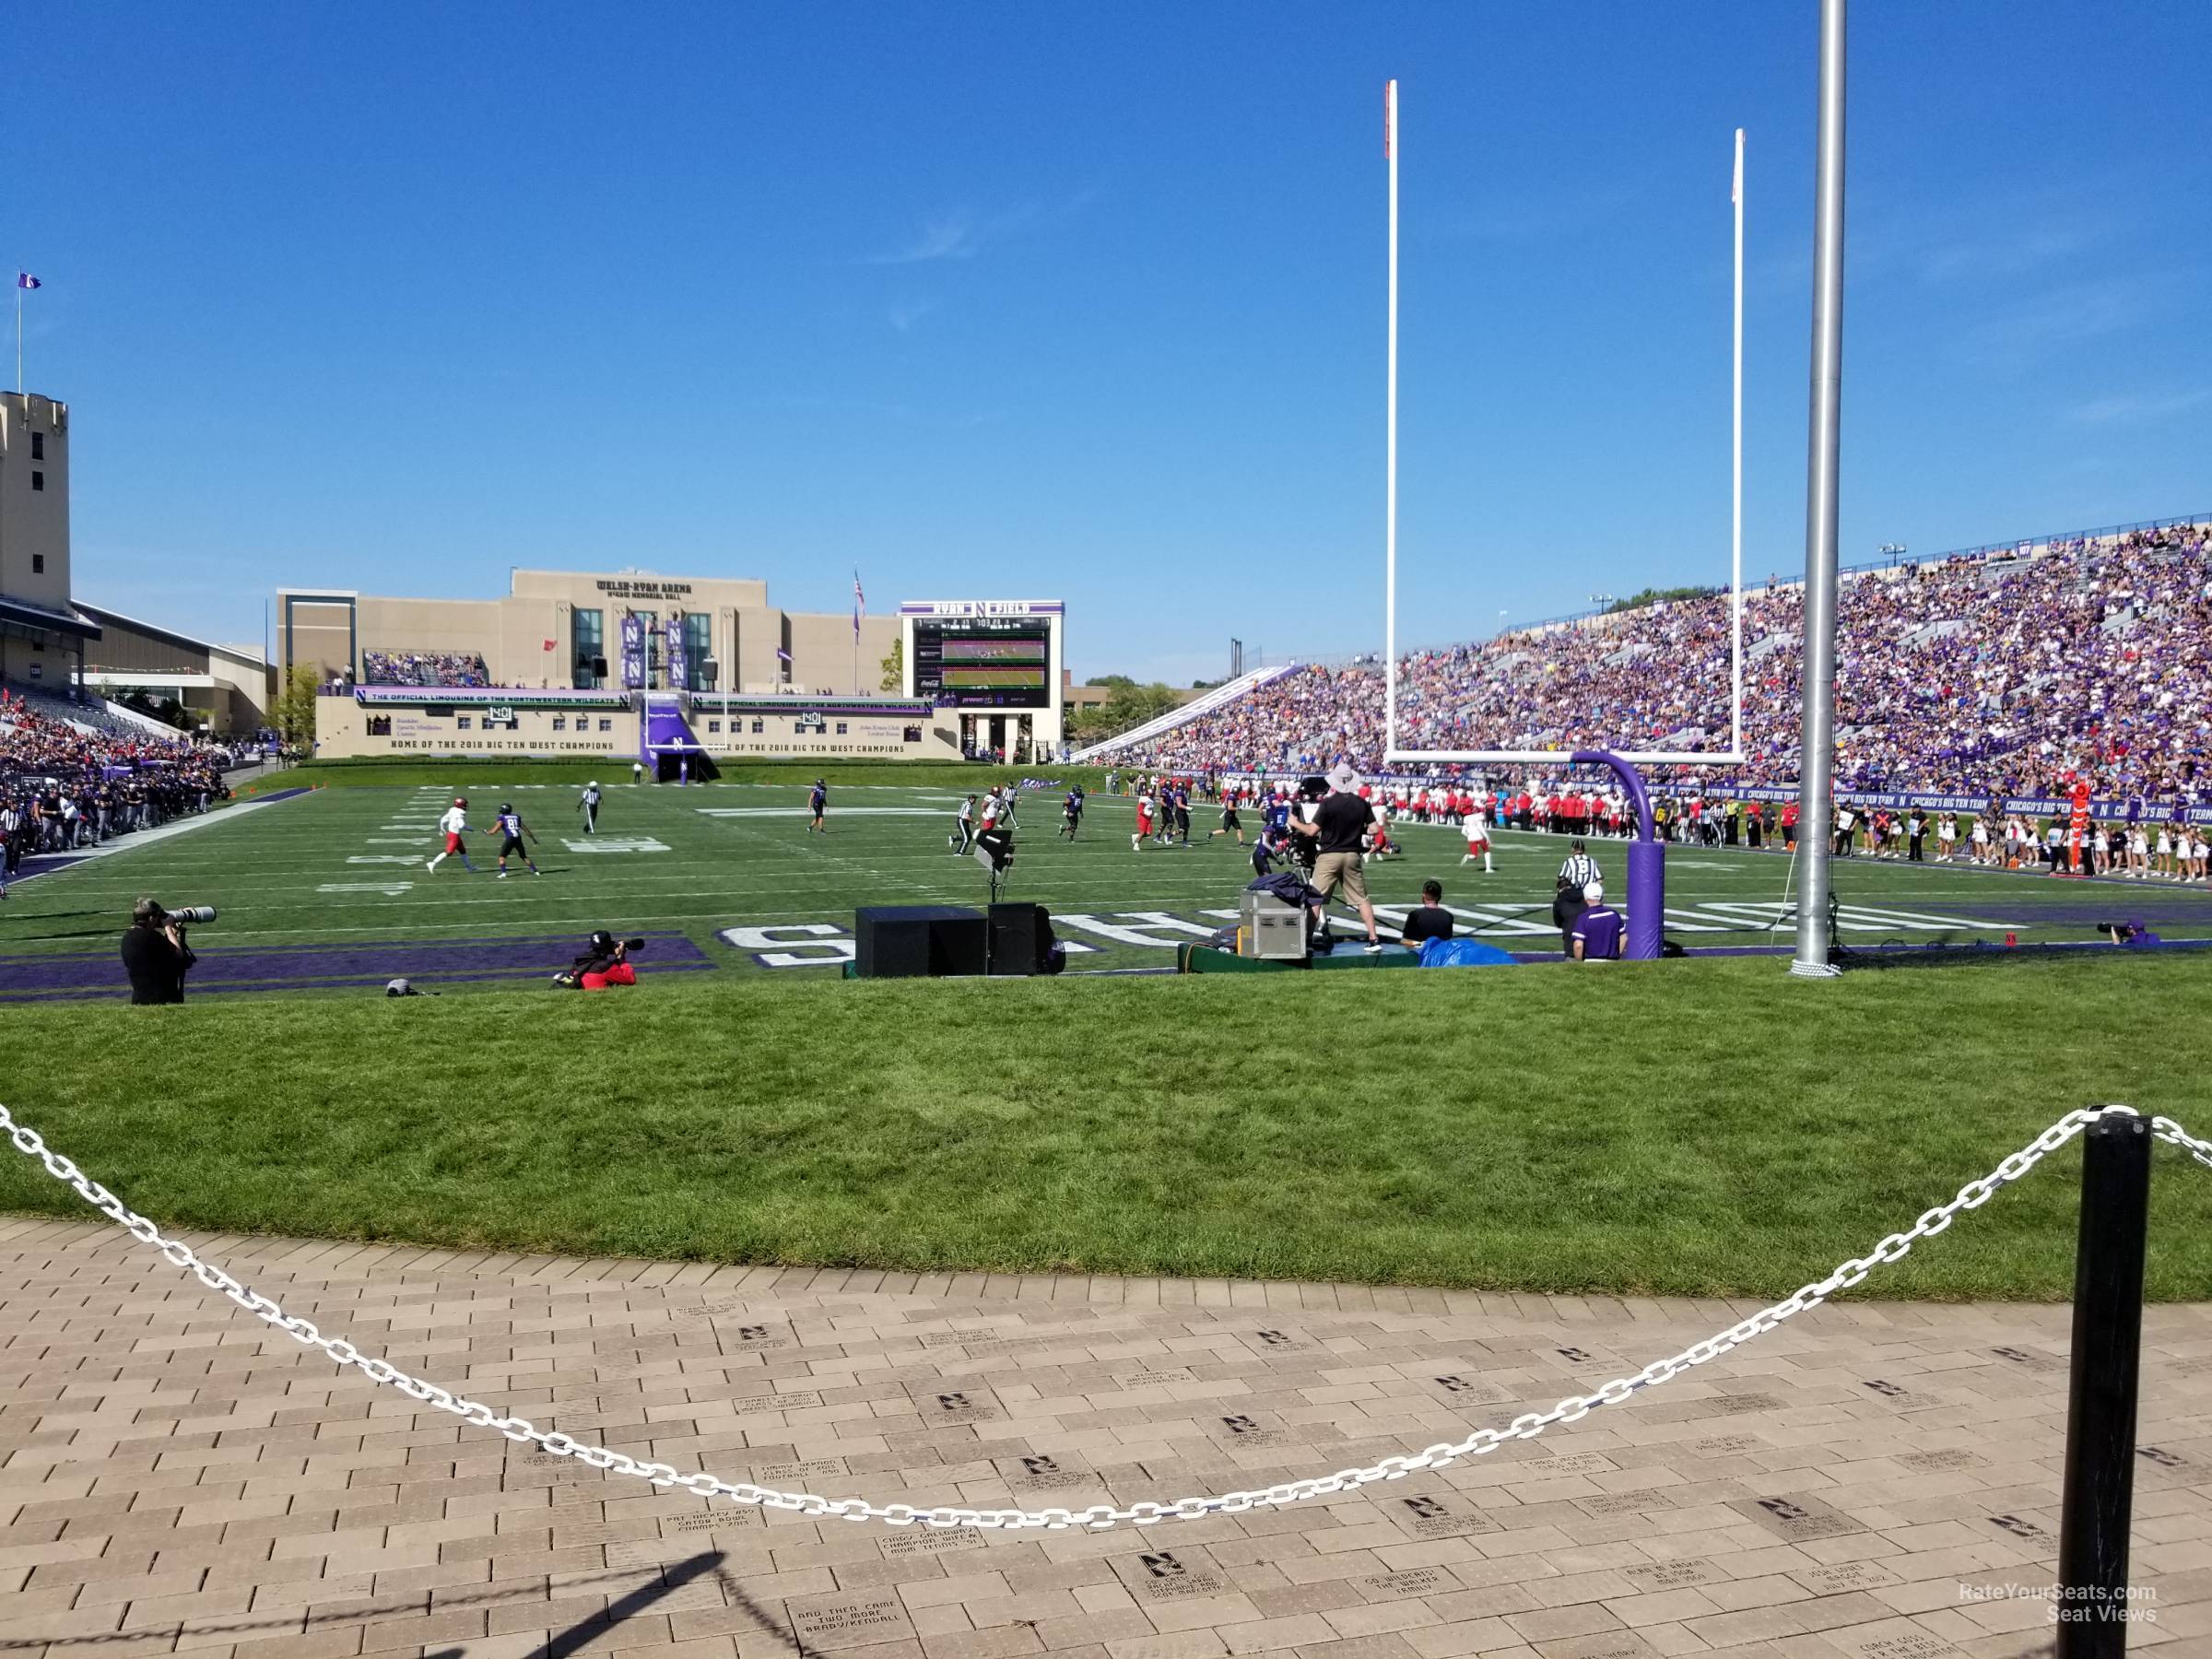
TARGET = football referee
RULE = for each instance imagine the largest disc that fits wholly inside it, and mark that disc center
(1576, 872)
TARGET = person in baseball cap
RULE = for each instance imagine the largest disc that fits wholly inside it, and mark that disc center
(1339, 825)
(1597, 930)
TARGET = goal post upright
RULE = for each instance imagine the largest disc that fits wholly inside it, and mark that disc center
(1390, 463)
(1735, 473)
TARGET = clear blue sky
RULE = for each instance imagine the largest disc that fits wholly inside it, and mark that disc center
(1085, 301)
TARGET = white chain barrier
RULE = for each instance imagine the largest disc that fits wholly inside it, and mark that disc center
(1973, 1195)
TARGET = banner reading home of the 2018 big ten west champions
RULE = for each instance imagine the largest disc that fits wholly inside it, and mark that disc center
(633, 653)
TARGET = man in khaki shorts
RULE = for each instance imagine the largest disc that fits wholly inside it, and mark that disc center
(1338, 824)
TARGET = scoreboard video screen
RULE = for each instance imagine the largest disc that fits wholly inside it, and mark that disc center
(983, 662)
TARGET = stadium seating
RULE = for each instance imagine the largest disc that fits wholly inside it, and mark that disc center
(1154, 729)
(1998, 671)
(423, 668)
(94, 715)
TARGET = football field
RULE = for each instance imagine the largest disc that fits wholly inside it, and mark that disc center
(331, 888)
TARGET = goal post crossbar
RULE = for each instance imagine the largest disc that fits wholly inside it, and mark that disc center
(1567, 757)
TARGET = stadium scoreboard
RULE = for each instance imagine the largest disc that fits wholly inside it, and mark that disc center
(993, 667)
(983, 662)
(983, 654)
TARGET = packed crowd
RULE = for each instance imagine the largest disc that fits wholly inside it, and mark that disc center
(424, 668)
(66, 786)
(1989, 675)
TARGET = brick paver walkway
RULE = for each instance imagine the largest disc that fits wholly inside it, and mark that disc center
(175, 1476)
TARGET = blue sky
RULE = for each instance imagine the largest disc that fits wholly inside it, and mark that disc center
(1048, 300)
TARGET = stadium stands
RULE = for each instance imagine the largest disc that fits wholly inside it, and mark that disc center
(2000, 671)
(71, 783)
(1221, 696)
(424, 668)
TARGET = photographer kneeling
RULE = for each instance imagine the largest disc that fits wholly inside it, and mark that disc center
(606, 963)
(155, 954)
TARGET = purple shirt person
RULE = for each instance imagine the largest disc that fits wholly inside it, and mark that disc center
(1596, 936)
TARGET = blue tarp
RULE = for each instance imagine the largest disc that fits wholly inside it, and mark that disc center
(1461, 953)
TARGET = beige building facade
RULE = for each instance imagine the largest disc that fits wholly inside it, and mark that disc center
(562, 629)
(571, 724)
(670, 670)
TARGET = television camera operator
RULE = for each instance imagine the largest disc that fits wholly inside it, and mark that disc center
(1338, 827)
(155, 953)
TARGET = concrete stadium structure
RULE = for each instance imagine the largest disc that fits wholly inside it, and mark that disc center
(672, 670)
(55, 642)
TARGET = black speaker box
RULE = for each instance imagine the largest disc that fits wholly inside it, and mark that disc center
(957, 945)
(1016, 938)
(915, 941)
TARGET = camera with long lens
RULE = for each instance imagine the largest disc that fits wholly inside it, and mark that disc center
(192, 915)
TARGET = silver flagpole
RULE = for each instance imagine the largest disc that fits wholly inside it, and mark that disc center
(1818, 735)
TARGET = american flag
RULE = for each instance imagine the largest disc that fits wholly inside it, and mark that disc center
(860, 604)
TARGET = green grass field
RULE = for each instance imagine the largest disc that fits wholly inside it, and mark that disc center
(730, 867)
(1704, 1126)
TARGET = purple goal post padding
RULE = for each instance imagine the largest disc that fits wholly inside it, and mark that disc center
(1647, 861)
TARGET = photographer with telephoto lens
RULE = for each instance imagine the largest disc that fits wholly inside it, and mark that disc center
(155, 953)
(606, 962)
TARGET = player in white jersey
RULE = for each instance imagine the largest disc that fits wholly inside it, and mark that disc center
(1478, 840)
(453, 823)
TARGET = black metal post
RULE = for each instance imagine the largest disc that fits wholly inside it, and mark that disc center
(2101, 1409)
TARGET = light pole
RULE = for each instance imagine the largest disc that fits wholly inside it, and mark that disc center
(1817, 745)
(1893, 551)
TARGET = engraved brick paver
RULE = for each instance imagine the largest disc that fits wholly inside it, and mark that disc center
(1873, 1479)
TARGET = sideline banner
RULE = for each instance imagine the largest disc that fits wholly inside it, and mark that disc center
(674, 655)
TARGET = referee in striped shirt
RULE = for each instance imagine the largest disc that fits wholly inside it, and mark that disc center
(1577, 872)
